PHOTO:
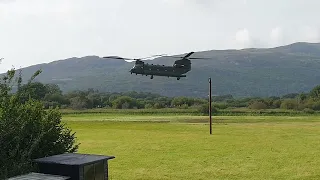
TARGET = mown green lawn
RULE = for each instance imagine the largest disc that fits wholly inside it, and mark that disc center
(180, 147)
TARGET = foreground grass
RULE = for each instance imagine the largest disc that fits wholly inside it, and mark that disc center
(260, 148)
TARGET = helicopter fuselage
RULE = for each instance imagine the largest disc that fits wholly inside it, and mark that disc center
(177, 70)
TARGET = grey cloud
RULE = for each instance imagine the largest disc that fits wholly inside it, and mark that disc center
(38, 31)
(7, 1)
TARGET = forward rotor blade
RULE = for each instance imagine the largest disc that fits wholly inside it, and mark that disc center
(154, 56)
(175, 57)
(114, 57)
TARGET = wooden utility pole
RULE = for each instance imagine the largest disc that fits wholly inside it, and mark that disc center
(210, 109)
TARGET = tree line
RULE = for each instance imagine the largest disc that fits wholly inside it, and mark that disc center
(52, 96)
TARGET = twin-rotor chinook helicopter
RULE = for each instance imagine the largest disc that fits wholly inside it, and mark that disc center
(178, 70)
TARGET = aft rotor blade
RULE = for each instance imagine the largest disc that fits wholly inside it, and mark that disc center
(188, 55)
(184, 57)
(199, 58)
(191, 58)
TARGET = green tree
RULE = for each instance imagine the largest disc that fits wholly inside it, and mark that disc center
(222, 98)
(56, 98)
(124, 102)
(158, 105)
(316, 106)
(290, 96)
(302, 97)
(148, 106)
(315, 93)
(276, 103)
(289, 104)
(80, 102)
(258, 105)
(53, 89)
(204, 109)
(220, 105)
(34, 90)
(269, 101)
(179, 101)
(27, 130)
(95, 99)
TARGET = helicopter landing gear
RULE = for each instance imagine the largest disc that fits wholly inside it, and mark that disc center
(178, 78)
(151, 77)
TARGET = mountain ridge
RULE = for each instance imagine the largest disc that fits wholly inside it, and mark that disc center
(273, 71)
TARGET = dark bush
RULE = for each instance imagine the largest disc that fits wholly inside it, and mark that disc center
(204, 109)
(258, 105)
(289, 104)
(27, 130)
(308, 111)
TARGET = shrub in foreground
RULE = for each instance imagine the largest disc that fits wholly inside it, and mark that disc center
(27, 131)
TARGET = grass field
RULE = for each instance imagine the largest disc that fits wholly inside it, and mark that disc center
(180, 146)
(193, 112)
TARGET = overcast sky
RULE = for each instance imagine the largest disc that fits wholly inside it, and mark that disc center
(38, 31)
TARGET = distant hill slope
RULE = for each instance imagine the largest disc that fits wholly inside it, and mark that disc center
(247, 72)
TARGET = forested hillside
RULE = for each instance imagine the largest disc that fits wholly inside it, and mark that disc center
(250, 72)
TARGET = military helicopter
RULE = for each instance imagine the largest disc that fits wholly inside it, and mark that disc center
(178, 70)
